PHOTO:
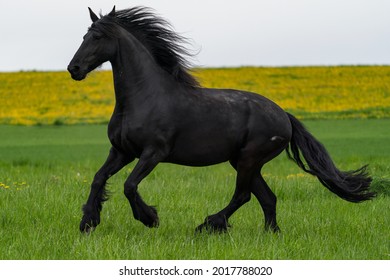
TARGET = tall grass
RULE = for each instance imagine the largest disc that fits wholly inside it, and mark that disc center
(45, 174)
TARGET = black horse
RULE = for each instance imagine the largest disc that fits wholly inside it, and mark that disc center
(162, 114)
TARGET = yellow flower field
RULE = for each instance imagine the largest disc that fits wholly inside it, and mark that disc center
(314, 92)
(34, 98)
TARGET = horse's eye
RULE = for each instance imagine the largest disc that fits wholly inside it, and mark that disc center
(97, 36)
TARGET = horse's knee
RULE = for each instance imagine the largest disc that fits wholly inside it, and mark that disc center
(243, 198)
(99, 179)
(130, 190)
(246, 197)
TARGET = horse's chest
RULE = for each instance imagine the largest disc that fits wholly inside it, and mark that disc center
(127, 137)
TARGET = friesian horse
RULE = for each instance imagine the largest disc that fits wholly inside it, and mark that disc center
(162, 114)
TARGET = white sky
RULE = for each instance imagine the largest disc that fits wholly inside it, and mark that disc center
(44, 34)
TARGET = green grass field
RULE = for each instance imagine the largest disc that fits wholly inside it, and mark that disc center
(45, 172)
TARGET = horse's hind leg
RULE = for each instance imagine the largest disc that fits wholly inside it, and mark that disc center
(219, 221)
(97, 196)
(267, 201)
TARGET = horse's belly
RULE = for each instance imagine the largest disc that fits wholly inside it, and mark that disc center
(201, 151)
(197, 159)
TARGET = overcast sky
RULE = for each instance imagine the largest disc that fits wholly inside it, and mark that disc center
(44, 34)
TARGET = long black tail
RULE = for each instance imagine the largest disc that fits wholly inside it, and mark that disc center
(350, 185)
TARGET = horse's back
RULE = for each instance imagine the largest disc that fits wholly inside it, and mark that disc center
(260, 113)
(213, 125)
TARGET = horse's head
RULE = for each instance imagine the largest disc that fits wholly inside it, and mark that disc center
(96, 49)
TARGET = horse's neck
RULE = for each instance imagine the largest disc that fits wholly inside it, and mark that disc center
(134, 70)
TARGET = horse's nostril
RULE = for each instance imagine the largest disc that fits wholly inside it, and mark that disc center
(73, 68)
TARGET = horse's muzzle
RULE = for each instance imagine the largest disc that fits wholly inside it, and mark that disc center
(76, 72)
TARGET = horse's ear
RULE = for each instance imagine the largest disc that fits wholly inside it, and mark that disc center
(112, 13)
(93, 16)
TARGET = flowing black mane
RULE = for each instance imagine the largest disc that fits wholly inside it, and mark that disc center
(157, 35)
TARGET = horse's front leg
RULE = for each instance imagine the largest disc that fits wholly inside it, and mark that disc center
(141, 211)
(115, 162)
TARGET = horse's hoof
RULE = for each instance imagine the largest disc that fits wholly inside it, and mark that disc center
(149, 217)
(88, 225)
(88, 230)
(153, 223)
(213, 224)
(200, 228)
(272, 228)
(211, 229)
